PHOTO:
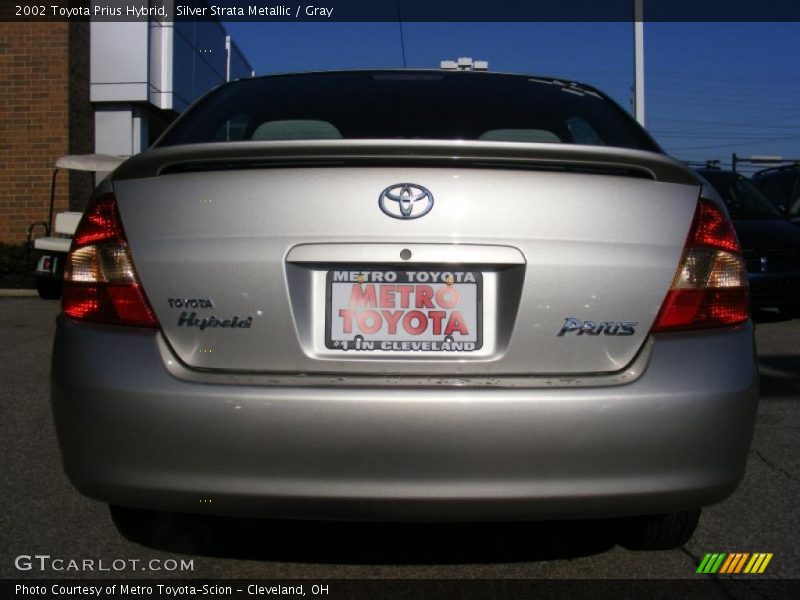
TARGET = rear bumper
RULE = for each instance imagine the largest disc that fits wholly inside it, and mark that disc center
(133, 434)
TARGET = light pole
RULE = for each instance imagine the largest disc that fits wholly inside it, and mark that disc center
(638, 59)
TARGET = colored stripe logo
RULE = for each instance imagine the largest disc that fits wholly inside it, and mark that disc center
(734, 563)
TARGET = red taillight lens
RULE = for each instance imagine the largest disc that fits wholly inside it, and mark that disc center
(713, 228)
(100, 223)
(710, 287)
(100, 282)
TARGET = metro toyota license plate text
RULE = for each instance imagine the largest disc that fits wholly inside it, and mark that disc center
(403, 310)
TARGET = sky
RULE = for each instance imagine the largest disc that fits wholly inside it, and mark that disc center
(711, 89)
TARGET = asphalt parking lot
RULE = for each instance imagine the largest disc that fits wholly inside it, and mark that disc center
(44, 515)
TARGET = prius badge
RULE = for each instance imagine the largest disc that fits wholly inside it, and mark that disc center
(405, 201)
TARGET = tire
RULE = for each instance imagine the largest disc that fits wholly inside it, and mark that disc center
(134, 524)
(49, 288)
(155, 529)
(659, 532)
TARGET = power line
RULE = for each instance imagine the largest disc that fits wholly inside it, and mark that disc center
(694, 125)
(701, 76)
(714, 146)
(402, 41)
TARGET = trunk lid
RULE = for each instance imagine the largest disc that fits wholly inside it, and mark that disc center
(574, 248)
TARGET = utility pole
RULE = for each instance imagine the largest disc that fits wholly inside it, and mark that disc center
(638, 53)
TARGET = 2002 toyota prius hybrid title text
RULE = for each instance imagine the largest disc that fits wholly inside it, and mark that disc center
(407, 295)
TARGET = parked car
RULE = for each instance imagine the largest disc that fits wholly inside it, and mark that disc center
(770, 243)
(781, 185)
(407, 295)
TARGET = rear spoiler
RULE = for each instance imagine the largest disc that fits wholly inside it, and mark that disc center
(243, 155)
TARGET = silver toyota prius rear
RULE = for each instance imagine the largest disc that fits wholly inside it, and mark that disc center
(407, 295)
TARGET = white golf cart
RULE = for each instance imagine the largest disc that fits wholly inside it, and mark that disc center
(54, 245)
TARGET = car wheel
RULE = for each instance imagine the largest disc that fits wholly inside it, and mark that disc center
(48, 288)
(659, 532)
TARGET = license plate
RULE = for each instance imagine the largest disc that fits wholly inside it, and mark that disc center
(432, 310)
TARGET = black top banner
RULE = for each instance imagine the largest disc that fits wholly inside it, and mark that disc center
(403, 10)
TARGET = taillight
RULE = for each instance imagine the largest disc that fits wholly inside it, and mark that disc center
(100, 282)
(710, 287)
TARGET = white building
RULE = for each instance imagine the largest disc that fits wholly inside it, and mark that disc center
(144, 73)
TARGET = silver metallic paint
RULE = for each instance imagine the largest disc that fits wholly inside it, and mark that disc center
(132, 433)
(532, 430)
(596, 247)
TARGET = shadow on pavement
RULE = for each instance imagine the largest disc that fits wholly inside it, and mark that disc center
(762, 315)
(780, 375)
(364, 543)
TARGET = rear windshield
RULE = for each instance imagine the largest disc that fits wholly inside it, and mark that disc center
(742, 198)
(778, 185)
(407, 105)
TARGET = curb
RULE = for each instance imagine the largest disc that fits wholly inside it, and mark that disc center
(18, 293)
